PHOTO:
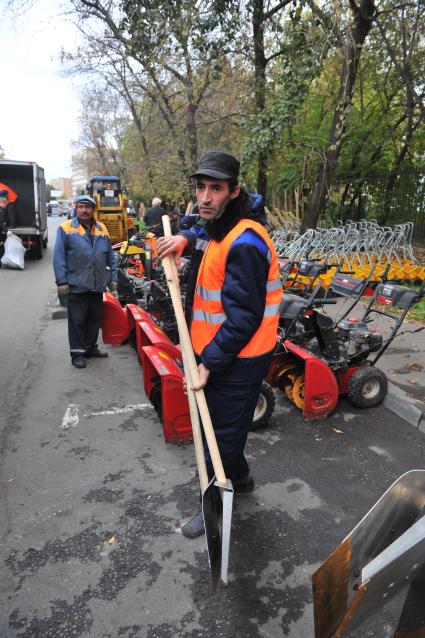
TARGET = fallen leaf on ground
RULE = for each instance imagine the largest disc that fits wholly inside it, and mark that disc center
(414, 366)
(9, 482)
(338, 431)
(111, 541)
(411, 381)
(148, 498)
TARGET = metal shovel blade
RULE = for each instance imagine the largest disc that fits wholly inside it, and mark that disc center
(382, 555)
(217, 503)
(210, 512)
(227, 496)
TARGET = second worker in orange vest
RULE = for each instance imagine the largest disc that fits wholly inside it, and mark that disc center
(233, 308)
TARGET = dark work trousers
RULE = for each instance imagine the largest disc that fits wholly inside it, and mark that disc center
(231, 405)
(84, 319)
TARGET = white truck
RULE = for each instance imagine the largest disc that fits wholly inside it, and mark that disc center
(28, 182)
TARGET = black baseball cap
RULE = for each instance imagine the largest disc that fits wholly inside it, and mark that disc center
(218, 166)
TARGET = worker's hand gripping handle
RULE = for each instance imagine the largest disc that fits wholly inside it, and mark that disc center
(191, 368)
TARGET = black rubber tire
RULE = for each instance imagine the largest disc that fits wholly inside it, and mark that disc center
(156, 399)
(132, 340)
(367, 387)
(45, 242)
(265, 407)
(36, 251)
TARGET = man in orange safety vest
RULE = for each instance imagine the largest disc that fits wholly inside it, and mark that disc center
(233, 309)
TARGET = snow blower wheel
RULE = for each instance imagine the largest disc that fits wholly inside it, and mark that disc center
(367, 387)
(132, 340)
(298, 391)
(264, 408)
(156, 399)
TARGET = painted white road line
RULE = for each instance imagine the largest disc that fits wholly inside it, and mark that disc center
(71, 416)
(127, 408)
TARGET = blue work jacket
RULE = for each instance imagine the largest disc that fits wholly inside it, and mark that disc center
(85, 264)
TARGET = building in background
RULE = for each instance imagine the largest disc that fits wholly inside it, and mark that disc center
(64, 185)
(81, 169)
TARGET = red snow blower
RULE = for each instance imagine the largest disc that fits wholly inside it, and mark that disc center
(317, 359)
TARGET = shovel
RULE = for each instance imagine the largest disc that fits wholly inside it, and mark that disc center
(218, 548)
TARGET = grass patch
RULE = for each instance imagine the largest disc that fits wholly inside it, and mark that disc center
(416, 313)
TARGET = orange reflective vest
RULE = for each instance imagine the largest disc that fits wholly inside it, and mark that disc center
(208, 314)
(11, 195)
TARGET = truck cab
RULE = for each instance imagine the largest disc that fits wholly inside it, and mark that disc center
(111, 205)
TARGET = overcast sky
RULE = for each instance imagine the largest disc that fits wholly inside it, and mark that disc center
(38, 107)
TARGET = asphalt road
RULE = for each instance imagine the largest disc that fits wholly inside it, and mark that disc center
(92, 498)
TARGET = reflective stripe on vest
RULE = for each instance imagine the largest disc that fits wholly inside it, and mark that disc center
(208, 295)
(215, 295)
(201, 244)
(208, 314)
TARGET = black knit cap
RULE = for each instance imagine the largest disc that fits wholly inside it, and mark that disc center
(218, 166)
(3, 194)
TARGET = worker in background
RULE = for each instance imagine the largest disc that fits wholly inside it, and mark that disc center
(173, 214)
(8, 199)
(140, 211)
(153, 216)
(233, 309)
(84, 266)
(189, 220)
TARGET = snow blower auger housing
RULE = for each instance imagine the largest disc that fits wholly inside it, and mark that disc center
(161, 362)
(163, 383)
(116, 323)
(160, 359)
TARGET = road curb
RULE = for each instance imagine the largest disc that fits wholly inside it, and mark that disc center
(399, 402)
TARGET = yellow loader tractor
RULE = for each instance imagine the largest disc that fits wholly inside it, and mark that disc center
(111, 206)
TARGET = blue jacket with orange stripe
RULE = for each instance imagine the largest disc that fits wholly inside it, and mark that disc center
(86, 264)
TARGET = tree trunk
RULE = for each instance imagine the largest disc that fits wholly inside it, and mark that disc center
(363, 16)
(260, 85)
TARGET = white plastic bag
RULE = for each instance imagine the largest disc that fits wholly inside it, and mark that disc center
(14, 252)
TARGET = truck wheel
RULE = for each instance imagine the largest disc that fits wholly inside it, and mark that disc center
(264, 408)
(45, 242)
(367, 387)
(36, 251)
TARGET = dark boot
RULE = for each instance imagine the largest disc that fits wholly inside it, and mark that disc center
(95, 353)
(194, 527)
(79, 362)
(244, 486)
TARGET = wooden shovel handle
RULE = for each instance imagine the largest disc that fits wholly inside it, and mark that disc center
(189, 357)
(196, 429)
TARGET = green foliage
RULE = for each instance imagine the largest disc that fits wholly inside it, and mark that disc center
(193, 88)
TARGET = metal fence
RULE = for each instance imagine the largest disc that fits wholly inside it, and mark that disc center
(384, 196)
